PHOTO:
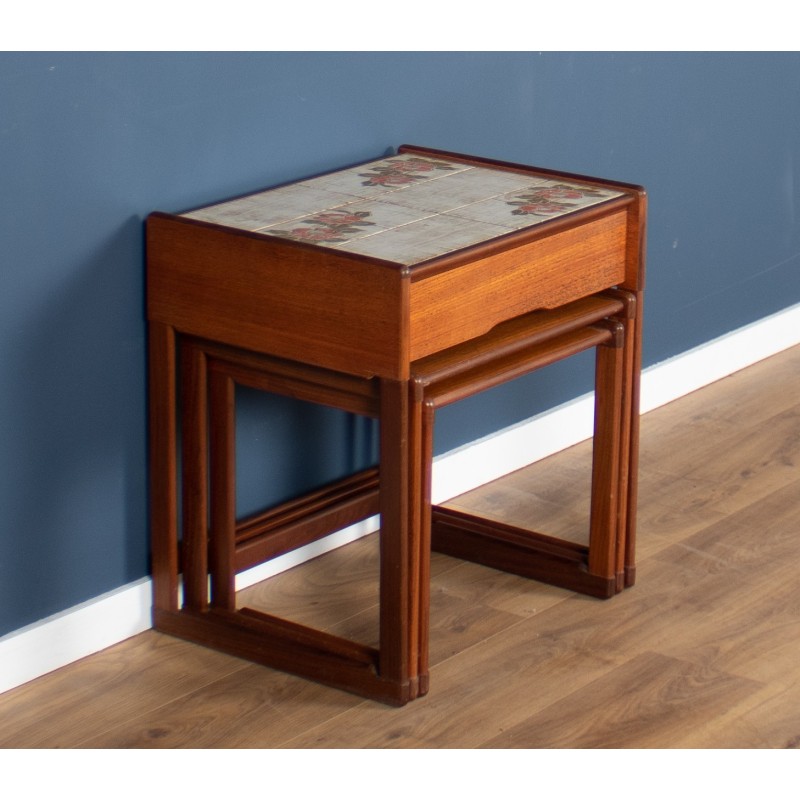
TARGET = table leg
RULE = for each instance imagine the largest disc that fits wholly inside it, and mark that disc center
(401, 556)
(629, 427)
(421, 419)
(222, 540)
(604, 523)
(633, 441)
(163, 467)
(194, 473)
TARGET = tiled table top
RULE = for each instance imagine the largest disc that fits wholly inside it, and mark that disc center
(406, 208)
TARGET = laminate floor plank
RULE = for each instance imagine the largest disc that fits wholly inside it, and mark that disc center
(470, 584)
(756, 462)
(478, 693)
(563, 514)
(96, 693)
(254, 707)
(766, 720)
(650, 701)
(325, 592)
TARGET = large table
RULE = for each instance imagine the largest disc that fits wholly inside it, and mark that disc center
(386, 289)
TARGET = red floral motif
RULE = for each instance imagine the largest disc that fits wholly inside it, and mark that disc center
(562, 192)
(387, 179)
(419, 165)
(327, 226)
(402, 171)
(339, 218)
(549, 200)
(312, 234)
(541, 209)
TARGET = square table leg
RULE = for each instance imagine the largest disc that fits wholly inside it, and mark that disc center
(404, 561)
(163, 466)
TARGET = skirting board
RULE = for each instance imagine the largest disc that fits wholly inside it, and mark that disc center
(106, 620)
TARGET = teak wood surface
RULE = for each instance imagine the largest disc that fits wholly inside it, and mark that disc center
(366, 316)
(703, 652)
(232, 307)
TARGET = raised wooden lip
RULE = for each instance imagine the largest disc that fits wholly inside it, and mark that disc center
(426, 268)
(278, 241)
(513, 239)
(511, 166)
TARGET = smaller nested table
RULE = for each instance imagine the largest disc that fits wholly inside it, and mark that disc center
(388, 289)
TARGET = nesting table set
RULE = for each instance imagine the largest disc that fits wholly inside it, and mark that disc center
(389, 289)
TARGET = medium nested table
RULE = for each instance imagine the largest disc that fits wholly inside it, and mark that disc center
(387, 289)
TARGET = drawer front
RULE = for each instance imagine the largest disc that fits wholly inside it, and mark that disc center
(467, 301)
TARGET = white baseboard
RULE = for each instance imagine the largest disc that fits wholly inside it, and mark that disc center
(103, 621)
(689, 371)
(72, 634)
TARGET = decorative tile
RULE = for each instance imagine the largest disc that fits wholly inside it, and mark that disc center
(552, 198)
(405, 208)
(268, 208)
(427, 238)
(454, 191)
(386, 175)
(535, 203)
(346, 223)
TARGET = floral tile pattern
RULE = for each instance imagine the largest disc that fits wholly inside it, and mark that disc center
(539, 201)
(346, 223)
(268, 208)
(405, 208)
(459, 190)
(553, 198)
(335, 225)
(403, 171)
(378, 178)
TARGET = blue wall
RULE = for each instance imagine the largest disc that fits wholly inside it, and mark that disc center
(91, 143)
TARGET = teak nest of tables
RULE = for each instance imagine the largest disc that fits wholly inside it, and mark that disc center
(388, 289)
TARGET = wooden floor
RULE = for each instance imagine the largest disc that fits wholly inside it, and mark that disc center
(704, 652)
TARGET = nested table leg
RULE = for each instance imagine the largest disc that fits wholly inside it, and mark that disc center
(630, 318)
(633, 381)
(394, 673)
(422, 417)
(403, 559)
(590, 570)
(163, 467)
(397, 671)
(222, 539)
(194, 473)
(604, 524)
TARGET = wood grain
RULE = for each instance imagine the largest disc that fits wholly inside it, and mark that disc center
(451, 307)
(663, 699)
(241, 289)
